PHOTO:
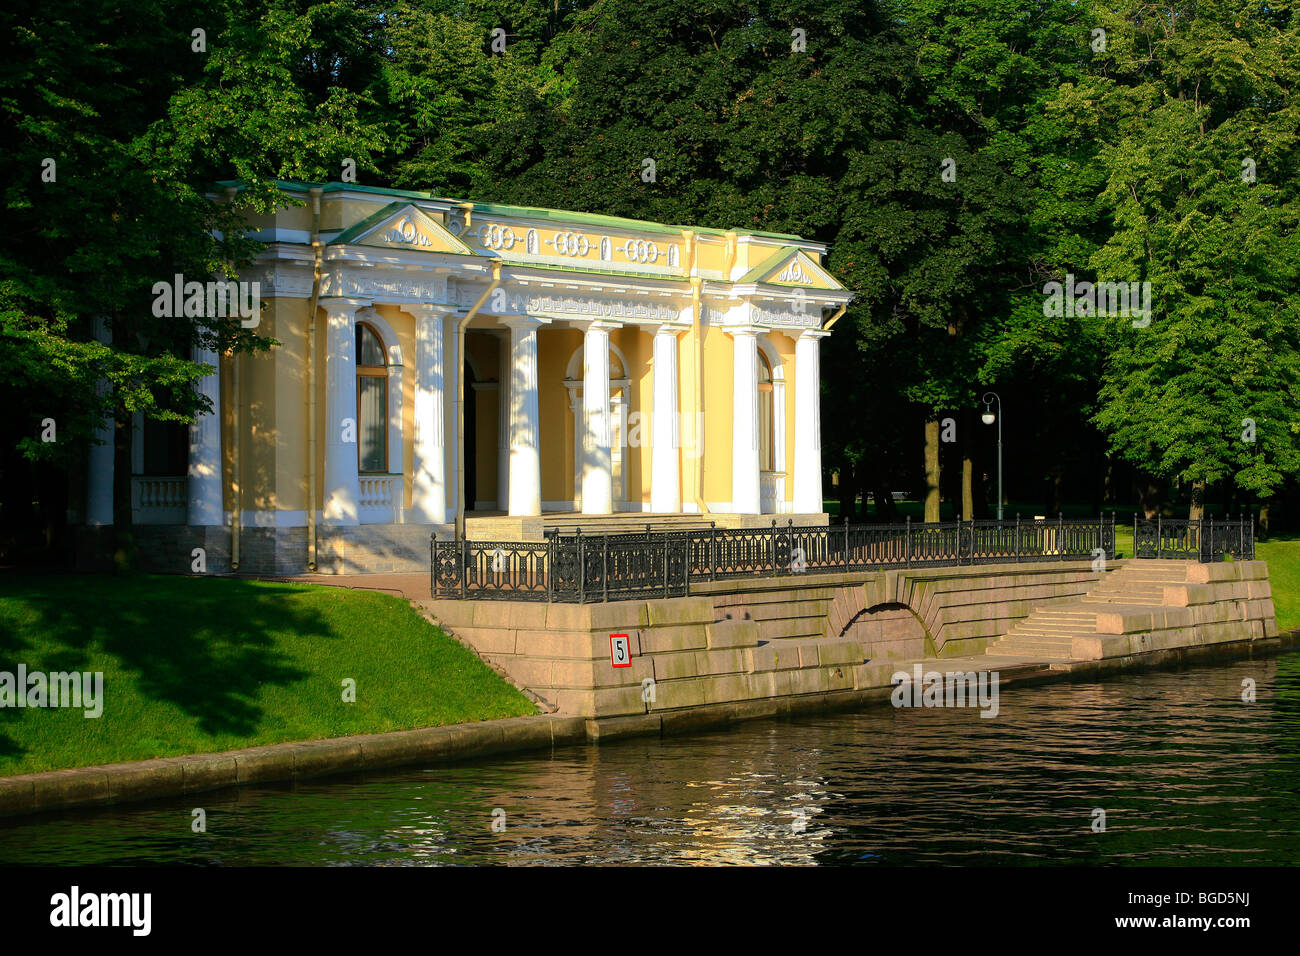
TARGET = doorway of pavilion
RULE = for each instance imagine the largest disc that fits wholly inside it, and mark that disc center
(471, 439)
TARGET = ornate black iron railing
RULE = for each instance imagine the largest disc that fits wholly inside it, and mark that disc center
(1209, 540)
(580, 568)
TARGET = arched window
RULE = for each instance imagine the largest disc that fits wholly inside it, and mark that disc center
(372, 402)
(765, 414)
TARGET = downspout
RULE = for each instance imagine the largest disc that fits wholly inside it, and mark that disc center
(319, 252)
(460, 394)
(836, 317)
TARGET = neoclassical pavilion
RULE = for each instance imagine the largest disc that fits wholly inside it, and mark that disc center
(549, 363)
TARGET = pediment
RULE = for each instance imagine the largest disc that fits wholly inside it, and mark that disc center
(792, 267)
(406, 227)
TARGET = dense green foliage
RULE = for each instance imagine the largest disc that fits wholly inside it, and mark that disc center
(957, 156)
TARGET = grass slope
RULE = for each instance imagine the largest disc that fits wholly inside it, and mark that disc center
(1283, 557)
(203, 664)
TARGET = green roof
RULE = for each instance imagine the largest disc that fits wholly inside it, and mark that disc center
(527, 212)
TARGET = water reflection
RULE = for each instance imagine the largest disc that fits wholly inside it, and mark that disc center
(1186, 772)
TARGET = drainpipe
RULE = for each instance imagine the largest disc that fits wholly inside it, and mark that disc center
(460, 393)
(835, 318)
(319, 251)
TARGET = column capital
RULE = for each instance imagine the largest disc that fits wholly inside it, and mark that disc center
(427, 310)
(744, 330)
(812, 333)
(340, 303)
(525, 322)
(665, 328)
(598, 325)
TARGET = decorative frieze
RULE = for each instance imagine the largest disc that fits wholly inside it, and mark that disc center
(594, 307)
(399, 288)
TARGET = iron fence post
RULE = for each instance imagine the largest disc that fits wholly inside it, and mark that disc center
(1060, 534)
(1210, 557)
(604, 568)
(847, 563)
(713, 551)
(1159, 533)
(582, 567)
(1135, 535)
(1017, 537)
(665, 564)
(686, 563)
(1241, 536)
(433, 565)
(550, 568)
(909, 542)
(772, 546)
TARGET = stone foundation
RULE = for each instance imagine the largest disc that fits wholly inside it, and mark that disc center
(762, 639)
(356, 549)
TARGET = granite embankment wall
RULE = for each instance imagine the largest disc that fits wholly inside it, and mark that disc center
(750, 639)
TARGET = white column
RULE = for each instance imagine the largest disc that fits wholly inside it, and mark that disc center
(342, 484)
(428, 456)
(808, 422)
(205, 448)
(503, 424)
(597, 477)
(746, 495)
(99, 476)
(525, 425)
(665, 464)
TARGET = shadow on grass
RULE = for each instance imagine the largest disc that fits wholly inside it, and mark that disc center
(201, 644)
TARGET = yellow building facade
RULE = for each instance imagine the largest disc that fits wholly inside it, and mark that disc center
(457, 367)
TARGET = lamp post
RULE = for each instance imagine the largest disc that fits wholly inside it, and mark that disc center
(988, 418)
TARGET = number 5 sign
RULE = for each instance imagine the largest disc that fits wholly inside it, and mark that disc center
(620, 653)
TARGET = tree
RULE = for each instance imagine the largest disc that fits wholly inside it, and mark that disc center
(1196, 109)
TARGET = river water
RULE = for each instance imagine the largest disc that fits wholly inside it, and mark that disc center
(1185, 771)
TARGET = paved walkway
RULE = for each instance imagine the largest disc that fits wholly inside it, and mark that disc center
(413, 586)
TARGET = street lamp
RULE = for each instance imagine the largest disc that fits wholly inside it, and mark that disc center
(988, 418)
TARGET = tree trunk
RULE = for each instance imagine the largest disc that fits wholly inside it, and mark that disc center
(123, 531)
(1197, 510)
(932, 468)
(1149, 494)
(967, 467)
(886, 509)
(848, 489)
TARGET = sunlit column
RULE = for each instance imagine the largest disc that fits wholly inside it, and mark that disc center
(665, 453)
(525, 425)
(429, 497)
(808, 422)
(342, 482)
(597, 475)
(746, 497)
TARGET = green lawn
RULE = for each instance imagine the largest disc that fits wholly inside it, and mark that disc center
(1283, 557)
(202, 664)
